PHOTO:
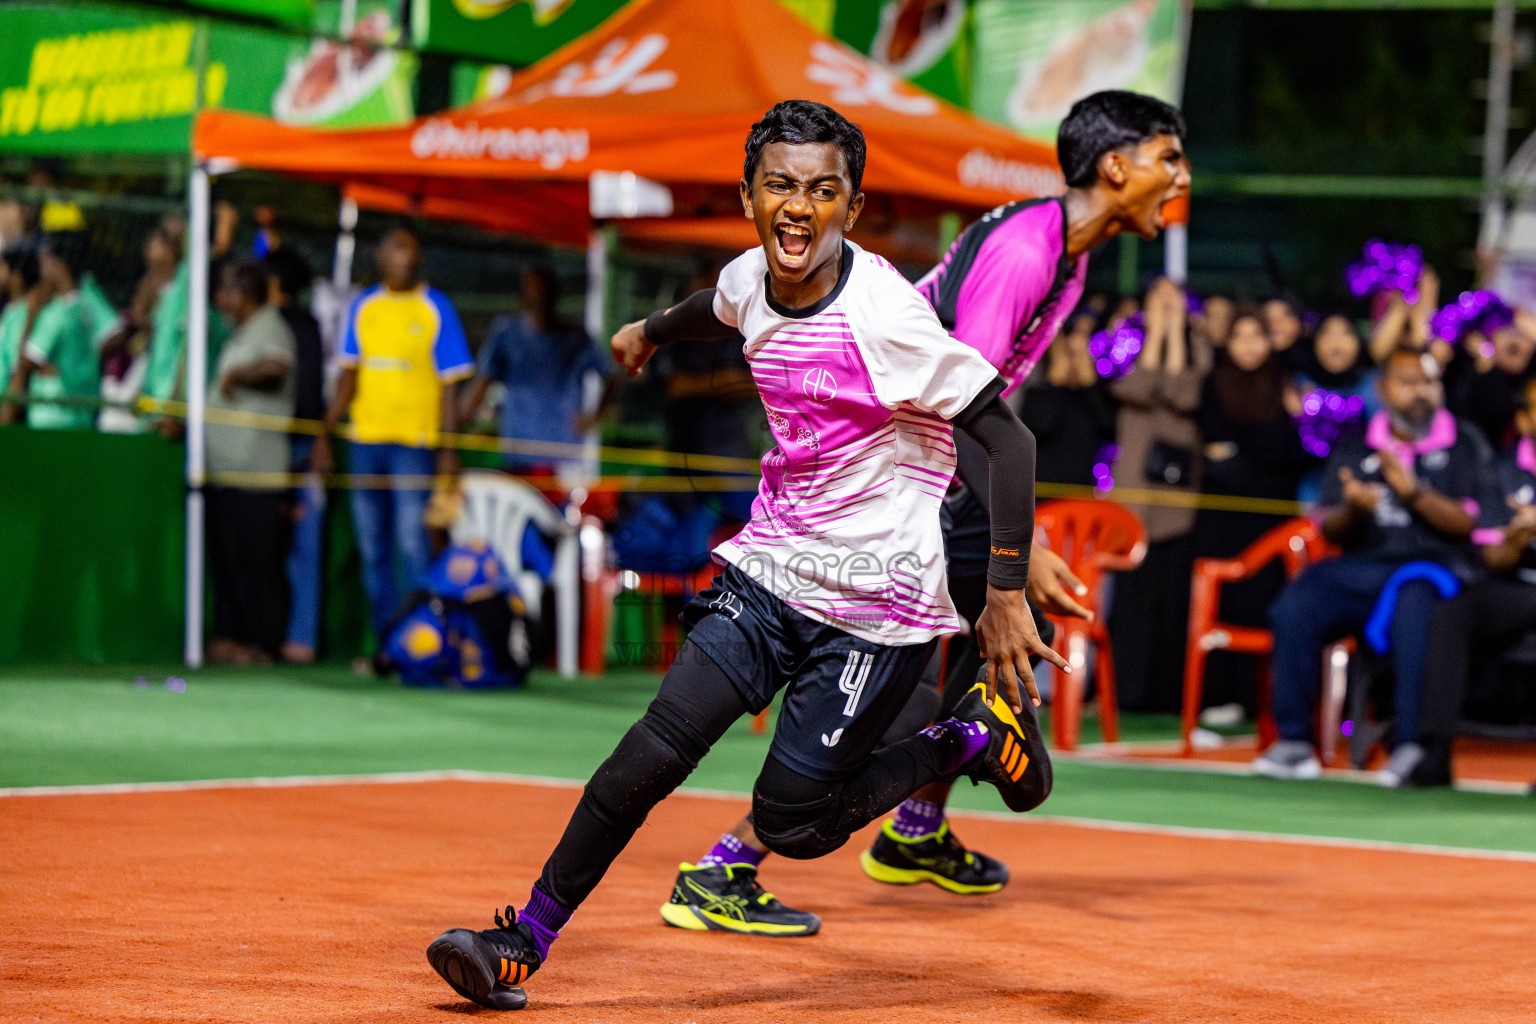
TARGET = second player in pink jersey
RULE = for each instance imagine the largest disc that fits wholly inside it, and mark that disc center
(1003, 289)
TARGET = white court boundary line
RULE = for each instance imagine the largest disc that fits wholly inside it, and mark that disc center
(550, 782)
(1110, 755)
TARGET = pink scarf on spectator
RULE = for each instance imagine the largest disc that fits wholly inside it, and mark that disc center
(1441, 435)
(1525, 455)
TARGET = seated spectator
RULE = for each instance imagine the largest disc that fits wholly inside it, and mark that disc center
(1406, 490)
(1069, 409)
(1283, 325)
(543, 363)
(59, 370)
(1335, 391)
(1215, 319)
(1490, 615)
(1486, 382)
(1159, 441)
(247, 530)
(1338, 362)
(1251, 451)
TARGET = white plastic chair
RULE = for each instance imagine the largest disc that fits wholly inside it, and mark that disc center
(497, 510)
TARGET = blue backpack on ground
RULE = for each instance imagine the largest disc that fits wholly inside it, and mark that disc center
(465, 627)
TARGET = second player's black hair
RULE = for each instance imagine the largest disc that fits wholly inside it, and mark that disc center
(1107, 121)
(804, 121)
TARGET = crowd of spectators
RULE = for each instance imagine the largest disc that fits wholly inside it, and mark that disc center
(1409, 436)
(1406, 433)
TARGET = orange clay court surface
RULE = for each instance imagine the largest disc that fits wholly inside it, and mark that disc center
(315, 904)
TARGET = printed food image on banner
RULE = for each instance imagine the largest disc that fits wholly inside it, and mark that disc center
(914, 35)
(362, 82)
(923, 41)
(516, 32)
(1035, 58)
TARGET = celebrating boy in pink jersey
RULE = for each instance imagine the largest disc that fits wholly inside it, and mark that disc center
(836, 590)
(1004, 289)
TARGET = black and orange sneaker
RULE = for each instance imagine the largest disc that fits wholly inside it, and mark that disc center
(487, 967)
(1014, 759)
(937, 857)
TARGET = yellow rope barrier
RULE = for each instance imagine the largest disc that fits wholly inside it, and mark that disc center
(743, 472)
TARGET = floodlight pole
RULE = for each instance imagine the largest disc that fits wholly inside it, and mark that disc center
(195, 390)
(1501, 62)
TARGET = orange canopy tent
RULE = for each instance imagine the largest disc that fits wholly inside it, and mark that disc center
(666, 90)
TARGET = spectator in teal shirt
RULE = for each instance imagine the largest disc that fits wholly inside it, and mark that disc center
(59, 363)
(25, 298)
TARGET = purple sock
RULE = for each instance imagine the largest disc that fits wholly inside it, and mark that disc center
(917, 818)
(544, 918)
(730, 850)
(958, 742)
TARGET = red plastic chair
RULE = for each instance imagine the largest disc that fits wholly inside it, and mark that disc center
(1297, 544)
(1095, 538)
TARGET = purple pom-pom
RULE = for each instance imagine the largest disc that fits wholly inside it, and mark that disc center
(1325, 415)
(1482, 311)
(1386, 266)
(1115, 349)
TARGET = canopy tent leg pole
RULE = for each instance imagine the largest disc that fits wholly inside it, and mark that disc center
(196, 391)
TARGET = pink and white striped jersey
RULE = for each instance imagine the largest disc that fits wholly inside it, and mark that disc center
(859, 390)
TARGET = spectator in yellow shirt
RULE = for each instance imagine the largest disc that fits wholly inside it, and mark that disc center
(402, 353)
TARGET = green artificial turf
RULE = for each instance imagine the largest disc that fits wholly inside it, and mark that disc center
(90, 725)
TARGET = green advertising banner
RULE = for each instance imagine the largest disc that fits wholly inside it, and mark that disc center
(98, 80)
(516, 32)
(927, 42)
(1034, 58)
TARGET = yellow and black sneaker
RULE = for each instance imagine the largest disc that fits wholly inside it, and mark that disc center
(1014, 759)
(487, 967)
(728, 898)
(937, 857)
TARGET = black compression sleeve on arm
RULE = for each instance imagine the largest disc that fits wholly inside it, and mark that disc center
(693, 319)
(971, 468)
(1010, 449)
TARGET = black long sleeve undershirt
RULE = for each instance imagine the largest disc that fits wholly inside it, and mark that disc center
(693, 319)
(1004, 484)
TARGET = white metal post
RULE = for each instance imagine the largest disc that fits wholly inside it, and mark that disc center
(1176, 236)
(195, 390)
(1501, 62)
(1176, 253)
(597, 283)
(346, 247)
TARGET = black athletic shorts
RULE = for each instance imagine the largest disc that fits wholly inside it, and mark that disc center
(844, 692)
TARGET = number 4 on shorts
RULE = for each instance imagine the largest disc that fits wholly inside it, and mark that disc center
(855, 674)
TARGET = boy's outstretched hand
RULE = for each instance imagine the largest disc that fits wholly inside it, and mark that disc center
(1006, 635)
(631, 348)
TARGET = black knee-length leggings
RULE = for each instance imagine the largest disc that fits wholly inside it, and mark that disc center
(795, 816)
